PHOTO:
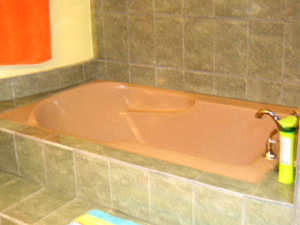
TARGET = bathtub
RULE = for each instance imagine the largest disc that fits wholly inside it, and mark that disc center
(212, 134)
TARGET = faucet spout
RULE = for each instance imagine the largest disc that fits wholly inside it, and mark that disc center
(262, 112)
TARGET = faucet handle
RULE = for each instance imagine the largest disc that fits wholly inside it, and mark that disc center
(295, 113)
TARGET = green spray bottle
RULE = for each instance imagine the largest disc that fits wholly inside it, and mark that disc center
(287, 131)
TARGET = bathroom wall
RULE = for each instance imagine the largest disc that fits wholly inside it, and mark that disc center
(244, 49)
(71, 38)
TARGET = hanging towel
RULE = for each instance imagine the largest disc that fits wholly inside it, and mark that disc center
(25, 36)
(96, 217)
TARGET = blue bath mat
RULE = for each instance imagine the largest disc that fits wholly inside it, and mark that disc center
(96, 217)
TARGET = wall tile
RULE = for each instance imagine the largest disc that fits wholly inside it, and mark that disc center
(47, 201)
(199, 37)
(292, 53)
(97, 30)
(170, 79)
(114, 5)
(5, 178)
(30, 157)
(171, 200)
(65, 140)
(98, 149)
(291, 95)
(231, 47)
(168, 6)
(292, 11)
(169, 53)
(93, 179)
(199, 83)
(117, 71)
(6, 90)
(143, 75)
(126, 217)
(60, 168)
(199, 7)
(266, 9)
(138, 6)
(95, 69)
(7, 104)
(231, 87)
(231, 8)
(135, 159)
(43, 82)
(213, 207)
(264, 91)
(71, 75)
(116, 37)
(266, 50)
(15, 191)
(261, 213)
(21, 86)
(5, 221)
(130, 192)
(8, 160)
(141, 39)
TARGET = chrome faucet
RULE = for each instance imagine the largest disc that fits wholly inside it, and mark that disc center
(269, 151)
(262, 112)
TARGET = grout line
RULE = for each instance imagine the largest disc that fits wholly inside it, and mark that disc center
(193, 205)
(55, 211)
(16, 153)
(150, 203)
(110, 184)
(243, 211)
(11, 181)
(83, 72)
(75, 173)
(11, 219)
(44, 162)
(214, 55)
(29, 196)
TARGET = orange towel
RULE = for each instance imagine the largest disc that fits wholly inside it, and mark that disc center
(25, 36)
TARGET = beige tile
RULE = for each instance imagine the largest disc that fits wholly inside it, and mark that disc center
(231, 87)
(98, 149)
(130, 192)
(138, 6)
(199, 83)
(93, 179)
(199, 7)
(6, 91)
(170, 79)
(126, 217)
(168, 7)
(292, 53)
(141, 39)
(95, 69)
(5, 221)
(65, 140)
(199, 36)
(8, 159)
(231, 8)
(169, 53)
(171, 200)
(116, 37)
(266, 9)
(266, 50)
(143, 75)
(60, 168)
(35, 208)
(213, 207)
(114, 5)
(264, 91)
(231, 47)
(261, 213)
(5, 178)
(43, 82)
(31, 160)
(117, 71)
(292, 10)
(291, 95)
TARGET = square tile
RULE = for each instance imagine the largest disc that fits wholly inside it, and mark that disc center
(143, 75)
(199, 83)
(117, 71)
(6, 177)
(199, 48)
(60, 168)
(138, 6)
(114, 6)
(6, 91)
(170, 79)
(8, 159)
(231, 8)
(266, 9)
(199, 8)
(169, 53)
(231, 87)
(292, 10)
(96, 69)
(168, 7)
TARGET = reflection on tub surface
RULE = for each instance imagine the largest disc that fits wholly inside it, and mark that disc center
(207, 133)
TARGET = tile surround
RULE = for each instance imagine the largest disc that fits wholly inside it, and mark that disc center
(256, 40)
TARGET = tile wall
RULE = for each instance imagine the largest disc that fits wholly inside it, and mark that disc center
(150, 190)
(245, 49)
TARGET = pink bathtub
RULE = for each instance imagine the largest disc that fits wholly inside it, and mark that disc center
(213, 134)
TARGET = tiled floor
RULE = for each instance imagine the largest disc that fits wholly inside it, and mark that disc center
(25, 202)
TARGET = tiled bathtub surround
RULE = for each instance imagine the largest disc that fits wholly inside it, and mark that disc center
(22, 89)
(153, 191)
(246, 49)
